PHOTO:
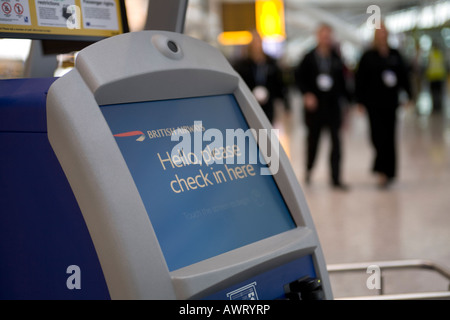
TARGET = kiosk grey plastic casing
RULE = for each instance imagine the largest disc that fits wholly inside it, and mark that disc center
(138, 67)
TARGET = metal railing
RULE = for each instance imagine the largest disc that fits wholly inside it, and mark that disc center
(395, 265)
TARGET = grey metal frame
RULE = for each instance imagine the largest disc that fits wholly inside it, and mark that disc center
(167, 15)
(396, 265)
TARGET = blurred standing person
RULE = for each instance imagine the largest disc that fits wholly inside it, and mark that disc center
(380, 76)
(436, 76)
(263, 76)
(320, 78)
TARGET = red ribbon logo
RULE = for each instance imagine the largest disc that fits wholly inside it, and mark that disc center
(132, 134)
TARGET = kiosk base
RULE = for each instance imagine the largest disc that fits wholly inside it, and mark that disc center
(268, 287)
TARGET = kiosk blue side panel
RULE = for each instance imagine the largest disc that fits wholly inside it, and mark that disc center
(42, 231)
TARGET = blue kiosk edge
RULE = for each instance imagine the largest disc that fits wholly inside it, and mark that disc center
(42, 231)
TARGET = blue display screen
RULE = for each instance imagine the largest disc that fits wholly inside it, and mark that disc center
(202, 187)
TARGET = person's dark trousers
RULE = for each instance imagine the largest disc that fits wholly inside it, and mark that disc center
(315, 124)
(383, 137)
(269, 111)
(335, 155)
(436, 88)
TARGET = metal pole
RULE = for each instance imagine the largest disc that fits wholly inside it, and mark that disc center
(167, 15)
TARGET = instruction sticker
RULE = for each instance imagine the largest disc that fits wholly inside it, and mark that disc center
(15, 12)
(53, 13)
(51, 19)
(99, 14)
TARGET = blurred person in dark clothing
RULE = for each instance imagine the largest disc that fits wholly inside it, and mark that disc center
(380, 76)
(263, 76)
(320, 78)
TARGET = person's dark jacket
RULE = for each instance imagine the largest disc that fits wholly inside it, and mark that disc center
(272, 80)
(370, 87)
(306, 75)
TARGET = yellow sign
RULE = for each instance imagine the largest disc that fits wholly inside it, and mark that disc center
(47, 18)
(270, 19)
(235, 38)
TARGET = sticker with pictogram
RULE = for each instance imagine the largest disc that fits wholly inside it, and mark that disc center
(18, 8)
(15, 12)
(6, 8)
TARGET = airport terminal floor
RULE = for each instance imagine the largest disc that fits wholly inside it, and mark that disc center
(409, 220)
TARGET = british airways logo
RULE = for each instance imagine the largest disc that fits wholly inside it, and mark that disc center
(139, 134)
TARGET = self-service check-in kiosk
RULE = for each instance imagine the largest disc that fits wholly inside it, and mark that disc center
(150, 170)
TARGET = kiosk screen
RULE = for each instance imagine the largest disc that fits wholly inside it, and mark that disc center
(198, 170)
